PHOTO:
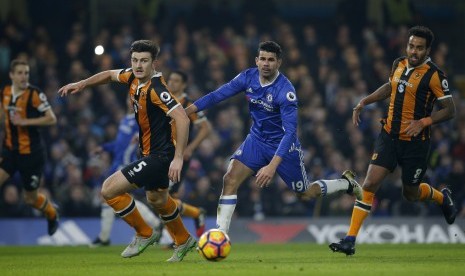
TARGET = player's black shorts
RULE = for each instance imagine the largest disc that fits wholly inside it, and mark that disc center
(411, 156)
(174, 187)
(29, 166)
(150, 172)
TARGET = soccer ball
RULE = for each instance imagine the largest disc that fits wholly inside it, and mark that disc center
(214, 245)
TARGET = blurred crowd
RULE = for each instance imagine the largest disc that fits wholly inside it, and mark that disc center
(333, 62)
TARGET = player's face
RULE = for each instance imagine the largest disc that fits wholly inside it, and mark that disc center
(142, 65)
(416, 50)
(176, 84)
(268, 64)
(20, 76)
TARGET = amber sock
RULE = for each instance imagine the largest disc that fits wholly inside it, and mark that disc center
(360, 212)
(125, 208)
(171, 217)
(428, 193)
(187, 209)
(44, 205)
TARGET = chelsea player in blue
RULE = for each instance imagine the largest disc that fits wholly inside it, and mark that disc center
(272, 144)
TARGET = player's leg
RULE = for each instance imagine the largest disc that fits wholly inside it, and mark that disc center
(107, 218)
(235, 175)
(414, 165)
(383, 162)
(148, 215)
(292, 171)
(362, 209)
(198, 214)
(115, 192)
(166, 207)
(30, 168)
(247, 160)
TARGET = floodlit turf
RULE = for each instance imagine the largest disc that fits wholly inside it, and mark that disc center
(245, 259)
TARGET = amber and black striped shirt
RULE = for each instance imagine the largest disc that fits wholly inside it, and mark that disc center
(414, 91)
(152, 103)
(31, 103)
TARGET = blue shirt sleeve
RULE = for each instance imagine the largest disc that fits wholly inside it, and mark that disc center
(109, 147)
(226, 91)
(288, 110)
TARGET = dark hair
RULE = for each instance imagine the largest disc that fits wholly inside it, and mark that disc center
(16, 62)
(145, 46)
(424, 32)
(182, 74)
(272, 47)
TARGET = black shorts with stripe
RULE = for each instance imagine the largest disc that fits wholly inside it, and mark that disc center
(411, 156)
(150, 172)
(29, 166)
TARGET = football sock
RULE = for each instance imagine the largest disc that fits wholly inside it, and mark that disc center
(147, 214)
(125, 207)
(44, 205)
(331, 186)
(187, 209)
(225, 211)
(107, 217)
(171, 217)
(428, 193)
(360, 212)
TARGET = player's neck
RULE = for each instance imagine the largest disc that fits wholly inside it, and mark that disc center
(268, 80)
(16, 90)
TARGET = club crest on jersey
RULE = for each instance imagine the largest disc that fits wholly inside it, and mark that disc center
(445, 85)
(269, 98)
(416, 76)
(291, 96)
(165, 97)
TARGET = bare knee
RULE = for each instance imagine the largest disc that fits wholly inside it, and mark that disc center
(157, 199)
(410, 195)
(107, 190)
(30, 198)
(312, 192)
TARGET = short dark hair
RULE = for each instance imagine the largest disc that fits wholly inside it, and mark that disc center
(182, 74)
(16, 62)
(424, 32)
(145, 46)
(272, 47)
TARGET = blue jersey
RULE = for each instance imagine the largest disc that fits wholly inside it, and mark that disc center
(121, 149)
(273, 108)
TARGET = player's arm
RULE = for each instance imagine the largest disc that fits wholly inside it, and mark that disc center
(182, 132)
(232, 88)
(204, 129)
(48, 119)
(99, 78)
(380, 94)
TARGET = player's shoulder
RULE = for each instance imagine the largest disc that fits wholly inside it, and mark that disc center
(402, 60)
(434, 66)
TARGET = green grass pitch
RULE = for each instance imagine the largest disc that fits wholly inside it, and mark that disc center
(245, 259)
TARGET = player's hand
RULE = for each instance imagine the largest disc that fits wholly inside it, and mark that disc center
(71, 88)
(17, 120)
(416, 126)
(356, 114)
(174, 173)
(265, 175)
